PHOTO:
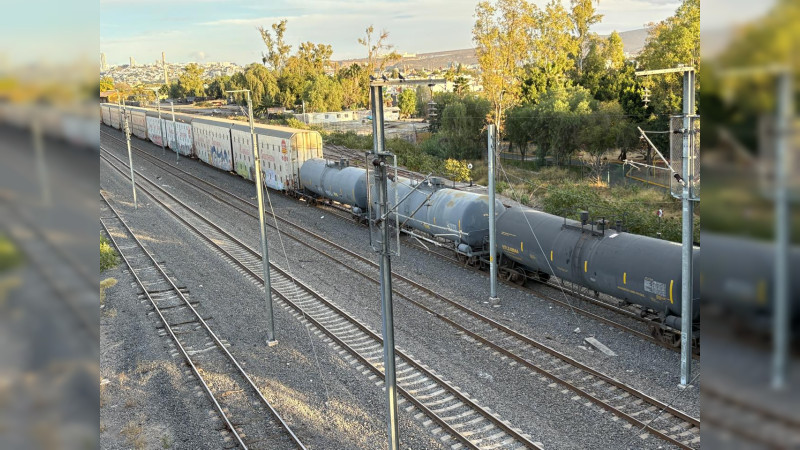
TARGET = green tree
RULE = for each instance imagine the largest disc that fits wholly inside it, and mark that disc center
(556, 121)
(519, 127)
(423, 94)
(461, 85)
(323, 93)
(191, 81)
(312, 59)
(355, 86)
(460, 124)
(106, 84)
(604, 67)
(553, 47)
(501, 36)
(407, 101)
(218, 86)
(671, 42)
(603, 130)
(262, 84)
(456, 169)
(277, 49)
(176, 90)
(379, 52)
(615, 51)
(583, 16)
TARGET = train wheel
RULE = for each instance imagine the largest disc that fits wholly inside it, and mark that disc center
(666, 337)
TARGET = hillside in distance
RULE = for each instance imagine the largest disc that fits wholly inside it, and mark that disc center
(633, 42)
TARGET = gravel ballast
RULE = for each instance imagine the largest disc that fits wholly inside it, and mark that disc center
(528, 402)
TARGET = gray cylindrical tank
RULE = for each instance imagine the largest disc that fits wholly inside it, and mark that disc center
(739, 273)
(639, 269)
(458, 216)
(462, 215)
(344, 184)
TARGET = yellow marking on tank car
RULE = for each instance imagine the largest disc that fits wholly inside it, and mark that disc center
(671, 282)
(551, 255)
(520, 246)
(624, 277)
(459, 224)
(585, 266)
(761, 292)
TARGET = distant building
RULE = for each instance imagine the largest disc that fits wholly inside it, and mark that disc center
(105, 96)
(326, 117)
(133, 62)
(103, 63)
(391, 113)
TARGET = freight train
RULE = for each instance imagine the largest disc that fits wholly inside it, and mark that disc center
(532, 245)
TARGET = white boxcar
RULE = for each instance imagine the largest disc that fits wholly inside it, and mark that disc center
(283, 150)
(155, 128)
(212, 141)
(114, 117)
(105, 113)
(136, 117)
(242, 144)
(182, 125)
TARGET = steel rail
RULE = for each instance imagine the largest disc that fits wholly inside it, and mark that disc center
(200, 319)
(500, 327)
(91, 323)
(536, 292)
(504, 426)
(504, 329)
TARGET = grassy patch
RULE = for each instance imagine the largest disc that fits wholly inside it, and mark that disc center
(133, 435)
(108, 256)
(105, 284)
(10, 257)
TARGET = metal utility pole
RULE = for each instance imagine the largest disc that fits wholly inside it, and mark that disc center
(687, 197)
(781, 313)
(264, 250)
(160, 124)
(492, 236)
(41, 165)
(783, 133)
(688, 225)
(130, 155)
(381, 218)
(175, 132)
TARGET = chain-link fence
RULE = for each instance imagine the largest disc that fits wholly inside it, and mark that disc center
(652, 175)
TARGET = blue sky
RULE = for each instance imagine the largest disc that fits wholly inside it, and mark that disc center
(219, 30)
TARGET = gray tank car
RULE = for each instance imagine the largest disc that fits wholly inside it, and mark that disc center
(336, 181)
(638, 269)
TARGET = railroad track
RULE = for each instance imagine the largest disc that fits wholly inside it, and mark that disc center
(69, 278)
(248, 416)
(444, 408)
(640, 410)
(564, 289)
(726, 413)
(341, 212)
